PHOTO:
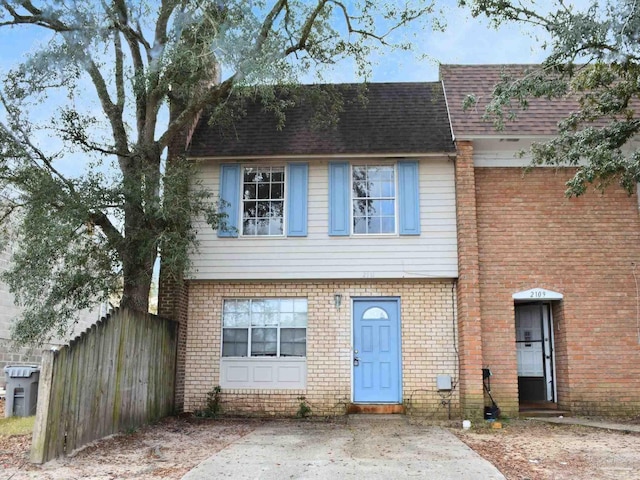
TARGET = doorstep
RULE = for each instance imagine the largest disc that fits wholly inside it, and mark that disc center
(376, 408)
(543, 413)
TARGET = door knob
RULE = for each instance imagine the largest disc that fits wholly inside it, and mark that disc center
(356, 361)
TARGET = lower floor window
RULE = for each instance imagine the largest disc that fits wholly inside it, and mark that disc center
(272, 327)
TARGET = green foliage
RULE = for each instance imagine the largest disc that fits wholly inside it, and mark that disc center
(593, 58)
(304, 409)
(214, 404)
(113, 86)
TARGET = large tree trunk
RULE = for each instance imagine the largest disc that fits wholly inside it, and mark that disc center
(137, 272)
(137, 284)
(139, 251)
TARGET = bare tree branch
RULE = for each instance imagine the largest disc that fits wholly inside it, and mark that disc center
(119, 72)
(111, 111)
(133, 40)
(36, 17)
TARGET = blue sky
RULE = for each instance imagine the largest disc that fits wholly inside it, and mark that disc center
(466, 40)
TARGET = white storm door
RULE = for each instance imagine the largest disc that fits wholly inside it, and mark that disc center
(529, 340)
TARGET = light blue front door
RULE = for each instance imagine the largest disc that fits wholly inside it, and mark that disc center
(376, 351)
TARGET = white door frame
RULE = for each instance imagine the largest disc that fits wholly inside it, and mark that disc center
(549, 351)
(548, 346)
(537, 295)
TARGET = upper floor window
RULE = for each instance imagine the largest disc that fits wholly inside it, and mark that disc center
(253, 200)
(263, 201)
(373, 199)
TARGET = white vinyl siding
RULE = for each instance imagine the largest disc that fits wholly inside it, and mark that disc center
(433, 253)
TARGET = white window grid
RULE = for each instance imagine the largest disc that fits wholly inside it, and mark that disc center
(269, 192)
(382, 197)
(299, 310)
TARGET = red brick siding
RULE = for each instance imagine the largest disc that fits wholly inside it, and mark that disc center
(530, 235)
(468, 292)
(561, 354)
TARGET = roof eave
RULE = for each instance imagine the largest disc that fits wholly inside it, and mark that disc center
(314, 156)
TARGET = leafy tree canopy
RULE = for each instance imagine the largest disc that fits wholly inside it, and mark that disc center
(594, 57)
(113, 86)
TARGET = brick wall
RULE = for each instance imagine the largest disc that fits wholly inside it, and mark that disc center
(530, 235)
(468, 292)
(428, 331)
(173, 298)
(561, 355)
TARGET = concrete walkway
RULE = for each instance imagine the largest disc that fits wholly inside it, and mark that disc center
(623, 427)
(371, 447)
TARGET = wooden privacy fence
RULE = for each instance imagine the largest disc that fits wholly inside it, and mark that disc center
(116, 376)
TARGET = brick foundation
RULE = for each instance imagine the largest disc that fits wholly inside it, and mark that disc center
(428, 329)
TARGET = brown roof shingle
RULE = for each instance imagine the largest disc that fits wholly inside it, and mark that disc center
(396, 118)
(540, 118)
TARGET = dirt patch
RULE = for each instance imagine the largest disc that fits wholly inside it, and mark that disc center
(528, 449)
(169, 449)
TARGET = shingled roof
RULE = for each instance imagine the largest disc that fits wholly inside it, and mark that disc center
(540, 118)
(396, 118)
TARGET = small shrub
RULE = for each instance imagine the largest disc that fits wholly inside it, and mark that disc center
(214, 404)
(304, 410)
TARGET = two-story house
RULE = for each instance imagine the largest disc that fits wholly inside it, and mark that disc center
(335, 277)
(389, 259)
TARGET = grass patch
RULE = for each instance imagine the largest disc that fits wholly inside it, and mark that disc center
(16, 426)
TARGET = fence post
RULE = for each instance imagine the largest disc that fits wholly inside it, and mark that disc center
(40, 430)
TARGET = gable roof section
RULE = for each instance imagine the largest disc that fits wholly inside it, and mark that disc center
(395, 118)
(540, 118)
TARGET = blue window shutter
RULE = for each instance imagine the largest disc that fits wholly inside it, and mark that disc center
(408, 198)
(297, 185)
(339, 199)
(230, 196)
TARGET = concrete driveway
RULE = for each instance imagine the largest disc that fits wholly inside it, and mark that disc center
(371, 447)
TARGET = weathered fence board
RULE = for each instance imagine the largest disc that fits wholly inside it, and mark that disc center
(117, 375)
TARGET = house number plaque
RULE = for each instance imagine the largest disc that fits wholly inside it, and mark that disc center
(537, 293)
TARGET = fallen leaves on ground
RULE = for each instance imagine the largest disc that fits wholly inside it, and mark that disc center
(534, 450)
(522, 450)
(167, 449)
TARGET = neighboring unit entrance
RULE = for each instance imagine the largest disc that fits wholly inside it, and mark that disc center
(534, 345)
(376, 351)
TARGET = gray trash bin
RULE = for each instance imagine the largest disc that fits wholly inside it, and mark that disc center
(22, 390)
